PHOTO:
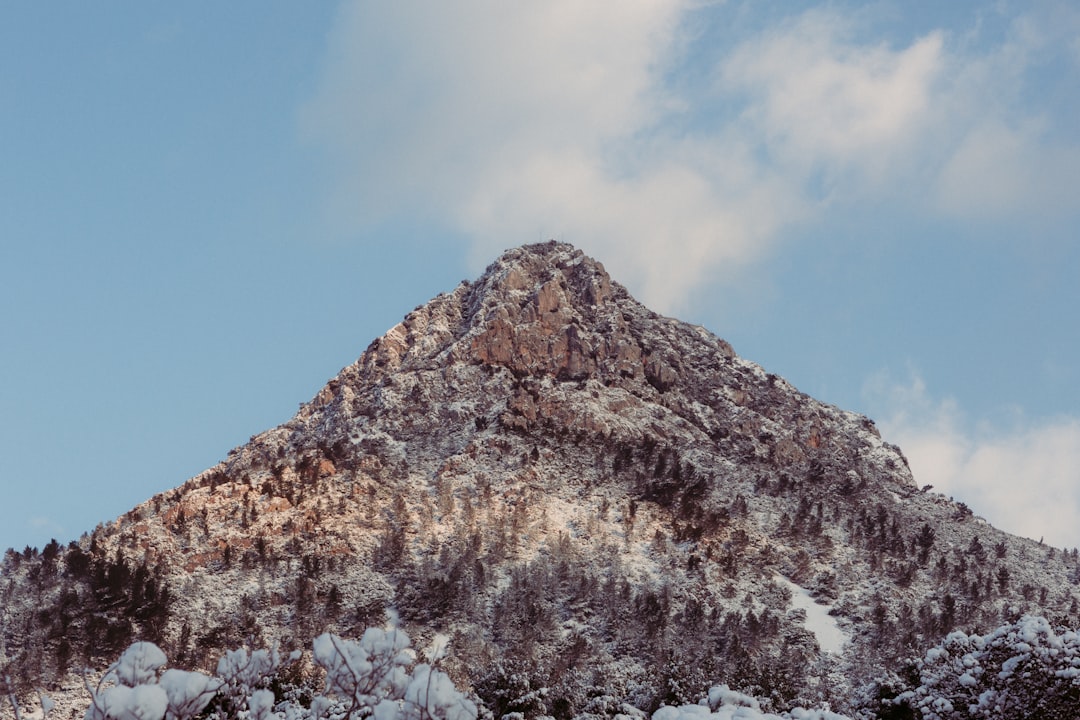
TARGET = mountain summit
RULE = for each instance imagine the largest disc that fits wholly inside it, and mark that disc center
(593, 500)
(545, 338)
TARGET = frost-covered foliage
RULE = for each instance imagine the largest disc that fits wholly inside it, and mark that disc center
(368, 672)
(242, 674)
(724, 703)
(372, 677)
(137, 693)
(189, 692)
(375, 677)
(1025, 669)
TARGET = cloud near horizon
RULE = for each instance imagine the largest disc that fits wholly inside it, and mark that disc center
(1024, 479)
(514, 123)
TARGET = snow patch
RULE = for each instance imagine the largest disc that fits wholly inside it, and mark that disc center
(830, 637)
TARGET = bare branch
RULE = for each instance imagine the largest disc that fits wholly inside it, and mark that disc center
(11, 697)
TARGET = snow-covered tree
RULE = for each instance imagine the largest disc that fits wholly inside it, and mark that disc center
(1023, 670)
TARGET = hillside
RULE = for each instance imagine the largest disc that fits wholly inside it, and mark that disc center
(587, 497)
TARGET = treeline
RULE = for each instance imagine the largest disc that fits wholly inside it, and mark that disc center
(84, 605)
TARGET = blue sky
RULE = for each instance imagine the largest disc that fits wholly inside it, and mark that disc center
(206, 210)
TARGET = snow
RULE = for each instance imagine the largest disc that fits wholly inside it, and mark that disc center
(818, 620)
(367, 671)
(432, 694)
(189, 692)
(139, 664)
(723, 695)
(373, 673)
(723, 703)
(260, 704)
(238, 668)
(143, 702)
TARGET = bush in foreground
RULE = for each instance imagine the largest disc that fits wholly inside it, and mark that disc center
(1024, 670)
(376, 677)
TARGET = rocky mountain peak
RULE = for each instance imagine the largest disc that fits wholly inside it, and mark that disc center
(545, 339)
(547, 310)
(537, 310)
(548, 275)
(541, 311)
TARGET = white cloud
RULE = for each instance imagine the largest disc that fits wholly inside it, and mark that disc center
(1024, 479)
(954, 122)
(999, 171)
(526, 121)
(662, 232)
(822, 100)
(430, 96)
(511, 122)
(1010, 152)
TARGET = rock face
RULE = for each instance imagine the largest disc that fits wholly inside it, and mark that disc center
(582, 492)
(545, 339)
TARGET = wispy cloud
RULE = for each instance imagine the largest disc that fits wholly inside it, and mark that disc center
(514, 122)
(1024, 479)
(820, 101)
(1001, 171)
(518, 122)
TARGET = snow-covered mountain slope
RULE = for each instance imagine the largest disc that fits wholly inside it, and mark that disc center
(586, 495)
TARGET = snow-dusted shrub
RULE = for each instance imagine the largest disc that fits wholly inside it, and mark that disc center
(138, 694)
(431, 695)
(242, 673)
(1022, 670)
(367, 672)
(724, 703)
(374, 677)
(189, 692)
(138, 664)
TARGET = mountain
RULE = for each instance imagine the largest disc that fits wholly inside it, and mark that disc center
(593, 501)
